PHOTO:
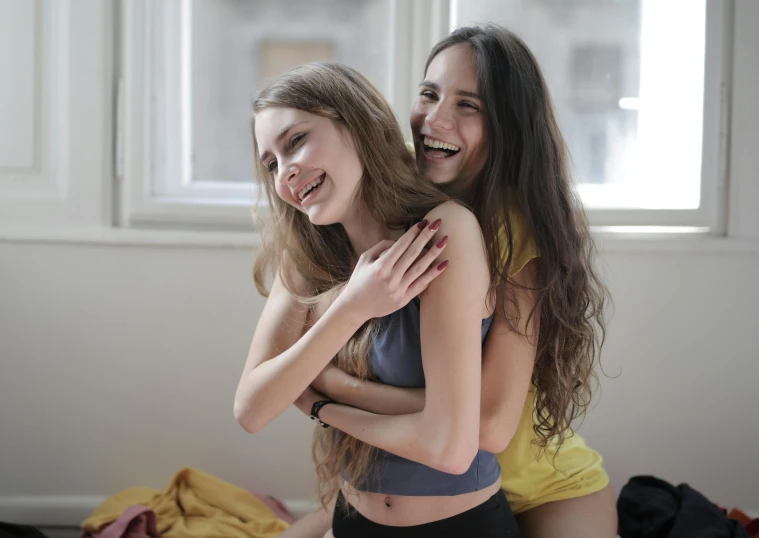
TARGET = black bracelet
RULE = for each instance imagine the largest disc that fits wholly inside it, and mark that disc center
(315, 412)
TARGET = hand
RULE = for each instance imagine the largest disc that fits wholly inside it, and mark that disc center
(390, 274)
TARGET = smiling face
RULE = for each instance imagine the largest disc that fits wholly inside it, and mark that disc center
(312, 160)
(448, 119)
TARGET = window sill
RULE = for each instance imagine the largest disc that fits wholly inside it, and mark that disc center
(673, 243)
(132, 237)
(607, 241)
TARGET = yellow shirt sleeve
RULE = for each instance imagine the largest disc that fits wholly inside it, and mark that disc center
(523, 242)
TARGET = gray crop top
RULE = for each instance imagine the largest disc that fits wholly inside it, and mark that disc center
(396, 359)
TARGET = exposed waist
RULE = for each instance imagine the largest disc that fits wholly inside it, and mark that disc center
(404, 510)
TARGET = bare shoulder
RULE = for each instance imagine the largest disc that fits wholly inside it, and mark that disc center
(467, 272)
(454, 213)
(463, 231)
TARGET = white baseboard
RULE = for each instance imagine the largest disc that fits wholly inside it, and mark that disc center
(71, 510)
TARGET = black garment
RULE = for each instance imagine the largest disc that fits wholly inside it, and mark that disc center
(652, 508)
(9, 530)
(491, 519)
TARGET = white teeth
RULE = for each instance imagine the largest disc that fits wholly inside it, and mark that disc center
(429, 142)
(308, 188)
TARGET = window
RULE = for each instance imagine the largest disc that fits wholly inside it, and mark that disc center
(137, 113)
(637, 96)
(190, 70)
(55, 128)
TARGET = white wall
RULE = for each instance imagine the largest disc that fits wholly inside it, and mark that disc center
(119, 363)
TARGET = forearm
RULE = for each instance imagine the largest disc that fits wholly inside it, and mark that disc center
(500, 407)
(267, 390)
(371, 396)
(496, 430)
(440, 444)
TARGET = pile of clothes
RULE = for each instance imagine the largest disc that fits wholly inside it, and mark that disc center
(195, 505)
(649, 507)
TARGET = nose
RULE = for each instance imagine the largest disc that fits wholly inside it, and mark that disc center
(440, 117)
(289, 173)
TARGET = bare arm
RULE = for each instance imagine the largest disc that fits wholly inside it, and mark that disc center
(281, 363)
(444, 434)
(508, 361)
(368, 395)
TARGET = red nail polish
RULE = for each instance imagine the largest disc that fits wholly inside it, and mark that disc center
(442, 265)
(442, 242)
(422, 224)
(435, 225)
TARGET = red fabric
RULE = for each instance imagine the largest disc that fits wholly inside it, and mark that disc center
(276, 506)
(751, 525)
(135, 522)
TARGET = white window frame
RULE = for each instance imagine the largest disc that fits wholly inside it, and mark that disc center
(68, 181)
(146, 169)
(711, 215)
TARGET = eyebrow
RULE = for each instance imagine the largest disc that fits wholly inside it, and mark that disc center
(282, 134)
(463, 93)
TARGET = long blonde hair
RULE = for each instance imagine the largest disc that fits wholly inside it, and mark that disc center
(391, 189)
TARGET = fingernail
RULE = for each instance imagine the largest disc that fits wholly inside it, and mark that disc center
(422, 224)
(442, 265)
(442, 242)
(435, 225)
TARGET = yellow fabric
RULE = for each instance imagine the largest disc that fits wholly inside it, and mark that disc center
(523, 243)
(576, 470)
(195, 505)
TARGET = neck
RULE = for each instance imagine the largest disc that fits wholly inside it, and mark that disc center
(364, 231)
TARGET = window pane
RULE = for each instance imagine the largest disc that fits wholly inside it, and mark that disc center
(234, 45)
(627, 81)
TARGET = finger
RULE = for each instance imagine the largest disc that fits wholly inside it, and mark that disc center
(394, 253)
(421, 283)
(423, 263)
(413, 251)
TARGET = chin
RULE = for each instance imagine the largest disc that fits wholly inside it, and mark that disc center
(320, 218)
(439, 179)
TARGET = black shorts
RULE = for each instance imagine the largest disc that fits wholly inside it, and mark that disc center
(493, 518)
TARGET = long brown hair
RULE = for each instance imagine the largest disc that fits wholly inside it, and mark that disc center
(527, 169)
(322, 257)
